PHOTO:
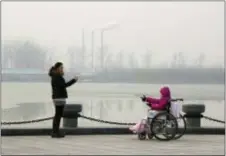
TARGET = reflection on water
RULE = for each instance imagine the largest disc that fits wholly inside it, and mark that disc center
(24, 111)
(131, 104)
(124, 110)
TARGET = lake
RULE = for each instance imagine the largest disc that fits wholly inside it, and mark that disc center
(115, 102)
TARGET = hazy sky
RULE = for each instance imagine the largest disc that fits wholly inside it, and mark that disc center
(162, 27)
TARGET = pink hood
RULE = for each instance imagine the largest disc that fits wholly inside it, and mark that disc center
(165, 92)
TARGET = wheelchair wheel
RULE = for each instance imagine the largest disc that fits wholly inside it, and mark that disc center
(142, 136)
(165, 125)
(182, 126)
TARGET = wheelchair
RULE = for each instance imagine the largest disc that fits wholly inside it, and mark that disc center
(164, 126)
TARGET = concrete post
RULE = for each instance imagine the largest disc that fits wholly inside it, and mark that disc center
(193, 114)
(70, 116)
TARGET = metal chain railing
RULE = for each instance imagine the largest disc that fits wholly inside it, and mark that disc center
(212, 119)
(26, 122)
(97, 120)
(105, 121)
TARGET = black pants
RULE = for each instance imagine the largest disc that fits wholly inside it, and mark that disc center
(59, 109)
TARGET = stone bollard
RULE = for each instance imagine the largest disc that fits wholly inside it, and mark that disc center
(70, 116)
(193, 114)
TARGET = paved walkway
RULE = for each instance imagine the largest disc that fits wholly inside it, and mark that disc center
(113, 145)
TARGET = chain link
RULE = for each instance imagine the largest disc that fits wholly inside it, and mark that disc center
(108, 122)
(26, 122)
(212, 119)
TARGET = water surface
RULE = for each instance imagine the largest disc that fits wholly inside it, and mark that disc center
(114, 102)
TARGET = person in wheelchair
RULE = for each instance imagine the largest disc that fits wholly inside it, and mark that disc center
(156, 105)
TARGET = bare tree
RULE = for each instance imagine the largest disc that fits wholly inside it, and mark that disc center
(178, 60)
(102, 57)
(9, 49)
(7, 55)
(174, 60)
(24, 55)
(181, 60)
(76, 57)
(132, 61)
(108, 62)
(30, 55)
(120, 60)
(200, 60)
(147, 59)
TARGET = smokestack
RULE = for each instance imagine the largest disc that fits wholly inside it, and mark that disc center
(83, 47)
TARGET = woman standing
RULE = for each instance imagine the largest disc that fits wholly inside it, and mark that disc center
(59, 95)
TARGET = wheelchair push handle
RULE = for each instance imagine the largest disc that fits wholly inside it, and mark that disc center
(174, 100)
(143, 98)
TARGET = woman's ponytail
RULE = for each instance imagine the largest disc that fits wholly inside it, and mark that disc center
(51, 71)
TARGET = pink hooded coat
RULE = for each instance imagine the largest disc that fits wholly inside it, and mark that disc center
(160, 104)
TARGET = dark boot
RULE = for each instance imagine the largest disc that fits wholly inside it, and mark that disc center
(58, 135)
(62, 133)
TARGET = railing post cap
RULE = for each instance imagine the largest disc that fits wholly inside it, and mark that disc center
(193, 108)
(74, 107)
(72, 110)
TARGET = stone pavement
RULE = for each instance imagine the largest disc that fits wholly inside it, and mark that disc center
(113, 145)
